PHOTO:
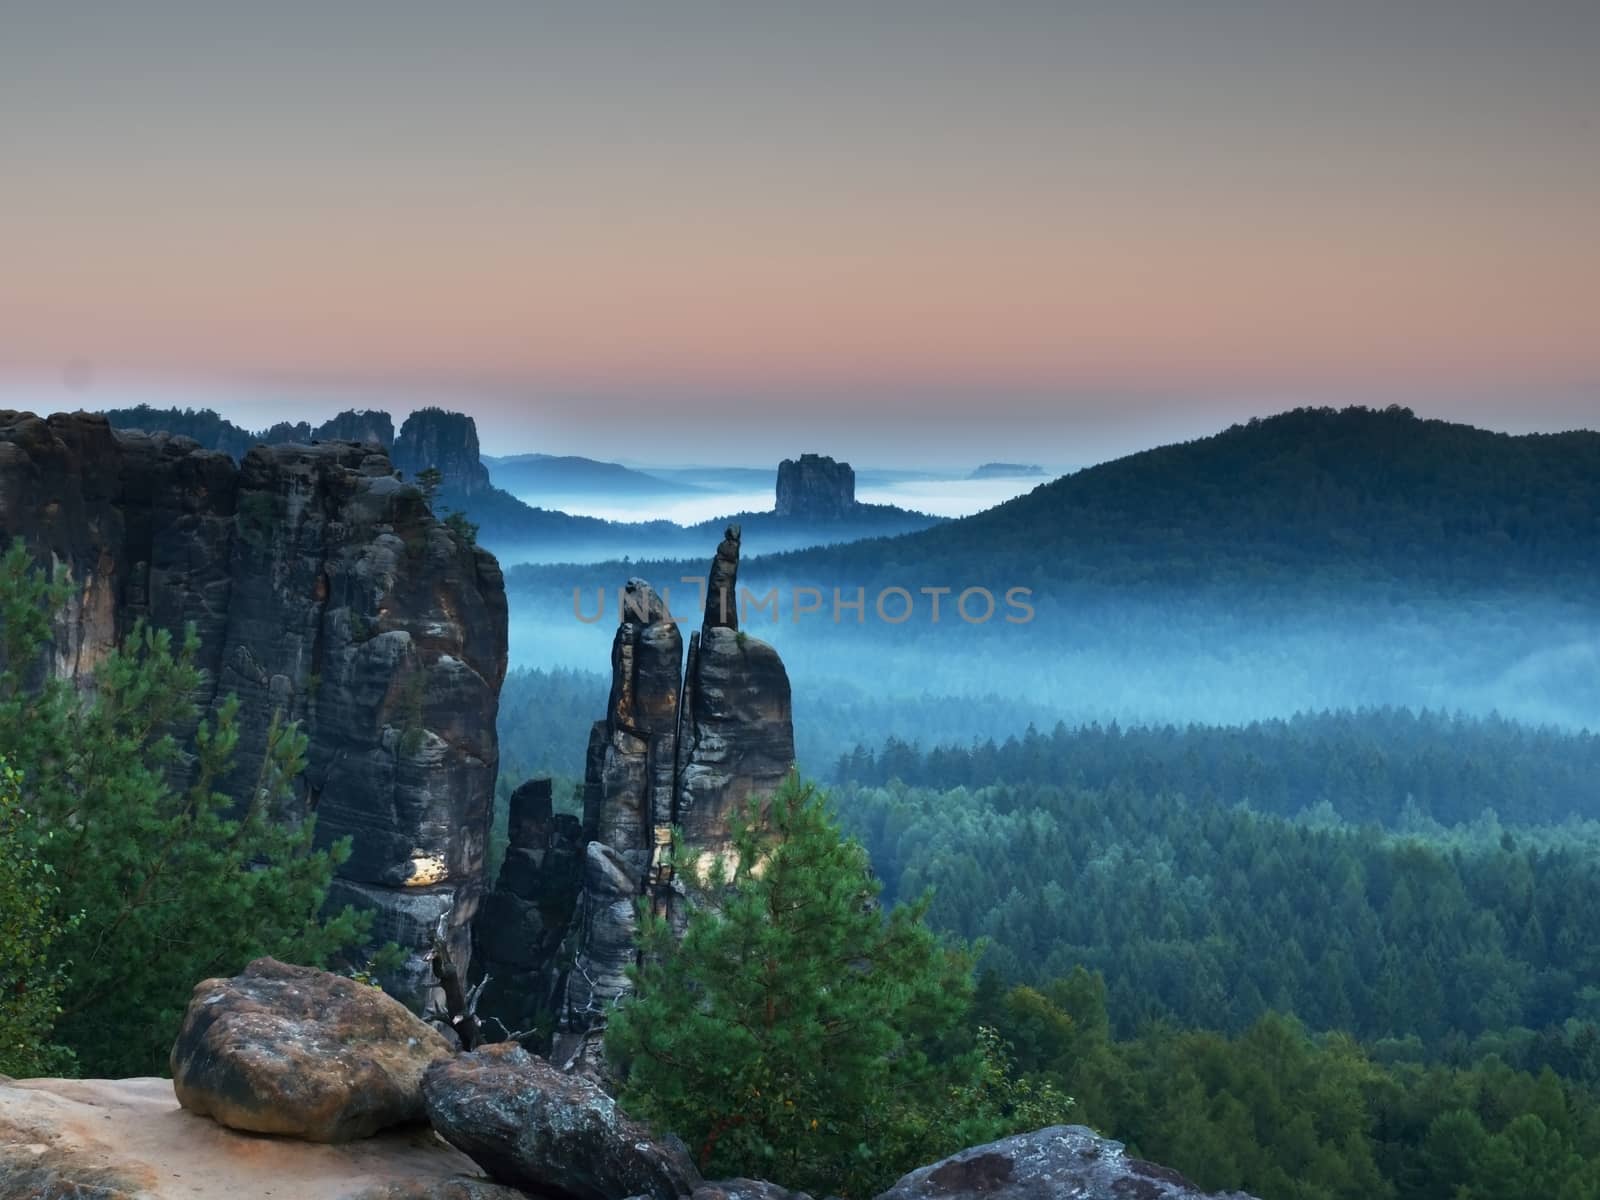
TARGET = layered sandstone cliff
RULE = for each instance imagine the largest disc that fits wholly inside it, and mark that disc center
(322, 590)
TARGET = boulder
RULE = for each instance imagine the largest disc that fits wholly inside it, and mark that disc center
(455, 1187)
(531, 1126)
(127, 1139)
(745, 1189)
(1061, 1161)
(300, 1052)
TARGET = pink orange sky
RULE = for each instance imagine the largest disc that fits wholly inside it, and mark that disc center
(882, 211)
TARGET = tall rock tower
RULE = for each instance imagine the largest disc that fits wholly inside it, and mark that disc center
(680, 745)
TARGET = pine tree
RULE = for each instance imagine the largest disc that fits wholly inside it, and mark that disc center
(169, 878)
(30, 985)
(796, 1032)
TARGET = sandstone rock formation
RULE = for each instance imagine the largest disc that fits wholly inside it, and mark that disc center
(127, 1139)
(366, 425)
(552, 1134)
(214, 432)
(815, 488)
(1063, 1160)
(322, 590)
(520, 926)
(448, 441)
(736, 737)
(745, 1189)
(301, 1052)
(206, 427)
(679, 746)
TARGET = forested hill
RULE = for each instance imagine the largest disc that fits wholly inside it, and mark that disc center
(1385, 766)
(1331, 494)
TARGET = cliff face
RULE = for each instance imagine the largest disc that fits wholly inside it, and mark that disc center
(815, 488)
(367, 425)
(322, 589)
(679, 745)
(448, 441)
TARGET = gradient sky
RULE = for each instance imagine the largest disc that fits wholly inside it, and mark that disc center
(899, 231)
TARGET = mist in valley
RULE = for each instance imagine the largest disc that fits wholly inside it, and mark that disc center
(1145, 657)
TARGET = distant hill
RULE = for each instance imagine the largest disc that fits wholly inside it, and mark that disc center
(1001, 470)
(1314, 493)
(729, 479)
(570, 475)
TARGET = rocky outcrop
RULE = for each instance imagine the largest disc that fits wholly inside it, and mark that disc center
(745, 1189)
(367, 425)
(214, 432)
(455, 1187)
(736, 738)
(1063, 1160)
(816, 488)
(127, 1139)
(680, 746)
(446, 441)
(552, 1134)
(206, 427)
(301, 1052)
(321, 589)
(522, 921)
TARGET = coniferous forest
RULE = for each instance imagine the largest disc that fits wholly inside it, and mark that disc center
(909, 600)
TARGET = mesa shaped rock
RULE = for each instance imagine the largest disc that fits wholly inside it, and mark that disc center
(1062, 1160)
(301, 1052)
(445, 441)
(815, 487)
(322, 590)
(553, 1134)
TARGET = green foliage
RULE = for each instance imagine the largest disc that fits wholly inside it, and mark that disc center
(30, 980)
(175, 879)
(362, 627)
(465, 531)
(412, 694)
(386, 961)
(429, 480)
(1403, 770)
(258, 518)
(1282, 1113)
(796, 1031)
(1206, 914)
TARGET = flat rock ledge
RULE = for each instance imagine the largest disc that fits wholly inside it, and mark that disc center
(128, 1139)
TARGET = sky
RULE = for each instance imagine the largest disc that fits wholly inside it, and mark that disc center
(903, 231)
